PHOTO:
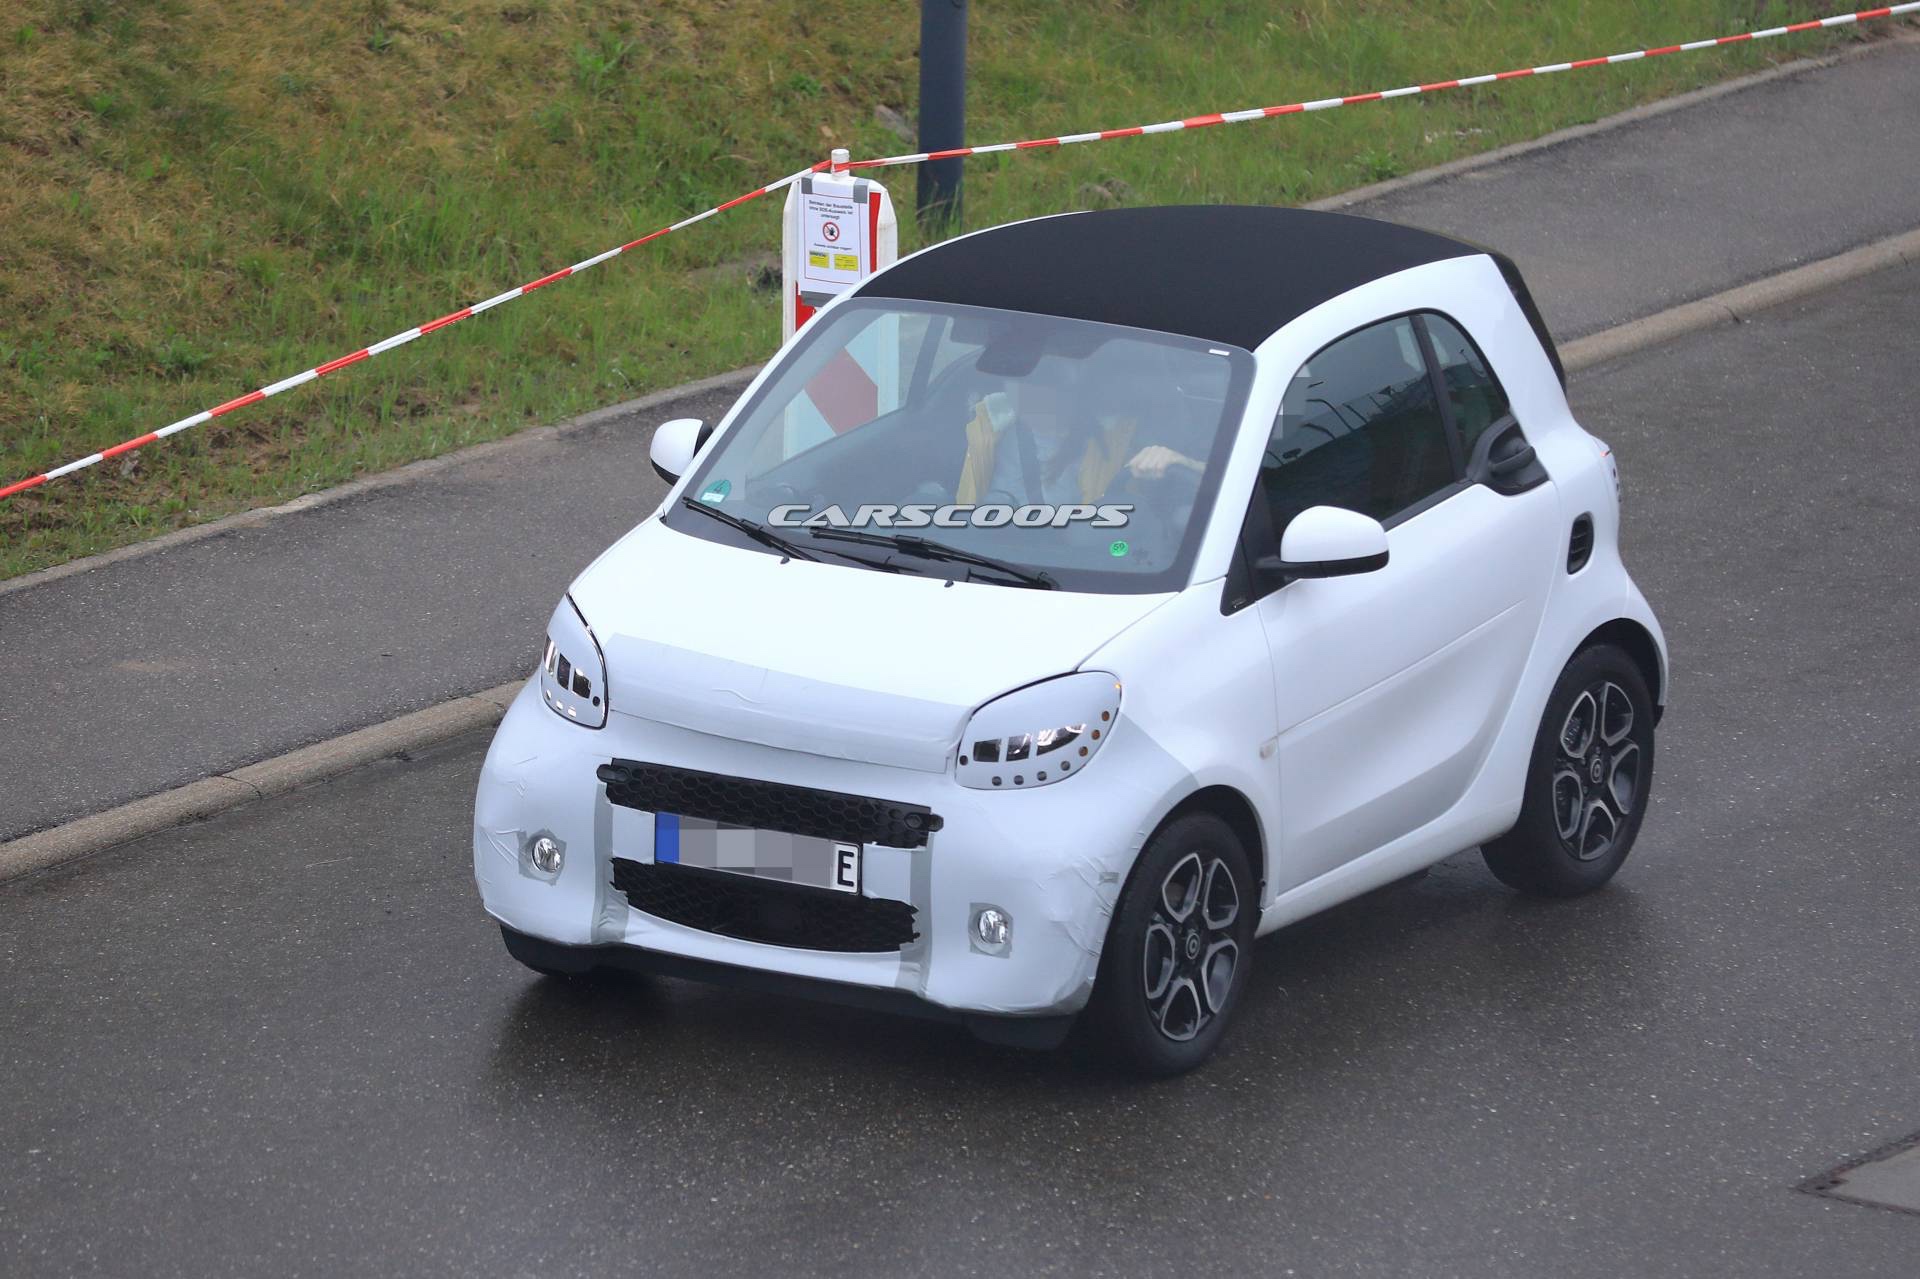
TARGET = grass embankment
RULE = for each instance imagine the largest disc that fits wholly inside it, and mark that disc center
(201, 196)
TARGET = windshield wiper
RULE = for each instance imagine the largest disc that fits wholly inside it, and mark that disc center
(927, 549)
(767, 537)
(758, 532)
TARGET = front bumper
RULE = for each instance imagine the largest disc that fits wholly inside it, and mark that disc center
(1052, 858)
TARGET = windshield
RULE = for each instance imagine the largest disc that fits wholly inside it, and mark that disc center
(1073, 454)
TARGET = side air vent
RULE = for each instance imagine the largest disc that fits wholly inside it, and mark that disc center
(1580, 544)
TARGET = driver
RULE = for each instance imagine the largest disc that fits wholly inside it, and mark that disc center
(1057, 452)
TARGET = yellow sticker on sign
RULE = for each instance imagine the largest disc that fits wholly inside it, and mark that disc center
(846, 262)
(817, 259)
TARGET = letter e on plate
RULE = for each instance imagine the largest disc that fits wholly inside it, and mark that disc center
(846, 868)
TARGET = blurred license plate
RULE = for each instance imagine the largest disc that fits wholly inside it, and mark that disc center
(769, 854)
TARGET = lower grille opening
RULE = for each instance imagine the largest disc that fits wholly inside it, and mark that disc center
(765, 910)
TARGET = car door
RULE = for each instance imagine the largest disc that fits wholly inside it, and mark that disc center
(1390, 684)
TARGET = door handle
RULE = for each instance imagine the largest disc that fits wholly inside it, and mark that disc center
(1505, 460)
(1517, 460)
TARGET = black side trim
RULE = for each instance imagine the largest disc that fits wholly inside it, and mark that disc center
(1275, 568)
(1442, 401)
(1531, 309)
(749, 908)
(1239, 589)
(1339, 568)
(741, 801)
(1046, 1031)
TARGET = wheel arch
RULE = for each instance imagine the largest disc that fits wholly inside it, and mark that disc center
(1638, 643)
(1238, 812)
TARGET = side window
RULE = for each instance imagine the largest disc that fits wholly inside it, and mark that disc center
(1478, 402)
(1359, 428)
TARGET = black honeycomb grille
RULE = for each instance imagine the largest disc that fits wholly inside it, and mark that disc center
(738, 801)
(765, 910)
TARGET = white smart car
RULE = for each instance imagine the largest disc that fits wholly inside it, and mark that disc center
(1073, 603)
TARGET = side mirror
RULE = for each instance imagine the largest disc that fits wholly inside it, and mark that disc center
(1326, 541)
(673, 447)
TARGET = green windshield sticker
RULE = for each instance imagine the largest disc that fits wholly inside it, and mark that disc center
(716, 492)
(1117, 549)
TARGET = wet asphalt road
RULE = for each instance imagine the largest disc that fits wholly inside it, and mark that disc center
(287, 1038)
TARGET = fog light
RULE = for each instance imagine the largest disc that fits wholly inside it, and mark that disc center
(546, 855)
(992, 930)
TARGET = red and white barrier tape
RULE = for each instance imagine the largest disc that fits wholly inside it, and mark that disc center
(1324, 104)
(398, 339)
(921, 157)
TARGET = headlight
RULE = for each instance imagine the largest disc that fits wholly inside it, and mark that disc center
(1040, 734)
(573, 674)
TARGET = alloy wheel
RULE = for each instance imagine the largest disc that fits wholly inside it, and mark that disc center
(1597, 771)
(1189, 952)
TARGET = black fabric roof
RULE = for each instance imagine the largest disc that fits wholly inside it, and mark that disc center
(1223, 273)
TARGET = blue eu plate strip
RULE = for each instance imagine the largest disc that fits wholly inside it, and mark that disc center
(666, 837)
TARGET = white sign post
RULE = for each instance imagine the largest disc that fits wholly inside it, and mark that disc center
(836, 230)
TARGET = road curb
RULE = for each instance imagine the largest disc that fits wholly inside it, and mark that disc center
(730, 380)
(1632, 115)
(1736, 304)
(484, 709)
(282, 773)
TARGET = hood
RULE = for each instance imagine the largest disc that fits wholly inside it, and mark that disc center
(825, 658)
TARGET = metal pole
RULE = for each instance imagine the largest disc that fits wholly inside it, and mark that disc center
(943, 105)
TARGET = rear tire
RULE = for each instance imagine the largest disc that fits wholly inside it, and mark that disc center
(549, 959)
(1587, 784)
(1178, 950)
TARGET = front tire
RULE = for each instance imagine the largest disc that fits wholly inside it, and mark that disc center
(1178, 950)
(1587, 784)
